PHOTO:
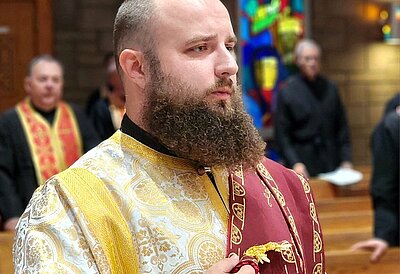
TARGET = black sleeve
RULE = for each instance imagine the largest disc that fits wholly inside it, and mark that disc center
(283, 127)
(343, 131)
(11, 204)
(385, 179)
(101, 119)
(90, 138)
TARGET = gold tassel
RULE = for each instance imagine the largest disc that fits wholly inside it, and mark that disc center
(259, 251)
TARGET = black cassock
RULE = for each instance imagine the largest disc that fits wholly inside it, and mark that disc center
(385, 178)
(17, 173)
(311, 125)
(101, 118)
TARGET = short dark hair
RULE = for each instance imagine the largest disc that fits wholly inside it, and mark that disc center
(43, 57)
(131, 26)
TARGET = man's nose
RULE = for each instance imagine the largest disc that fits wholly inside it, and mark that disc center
(226, 65)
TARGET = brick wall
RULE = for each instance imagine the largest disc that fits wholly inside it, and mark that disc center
(83, 34)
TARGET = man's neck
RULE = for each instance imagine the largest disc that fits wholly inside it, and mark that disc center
(46, 114)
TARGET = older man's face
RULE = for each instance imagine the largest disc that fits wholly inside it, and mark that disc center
(308, 62)
(45, 85)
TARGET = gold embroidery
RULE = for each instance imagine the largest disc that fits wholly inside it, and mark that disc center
(236, 235)
(187, 212)
(238, 210)
(155, 243)
(264, 172)
(317, 242)
(288, 254)
(293, 225)
(209, 254)
(149, 194)
(317, 269)
(280, 196)
(306, 185)
(238, 190)
(313, 212)
(267, 195)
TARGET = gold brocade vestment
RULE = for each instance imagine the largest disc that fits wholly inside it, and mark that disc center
(177, 219)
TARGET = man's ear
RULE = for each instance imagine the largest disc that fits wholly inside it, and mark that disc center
(131, 62)
(27, 84)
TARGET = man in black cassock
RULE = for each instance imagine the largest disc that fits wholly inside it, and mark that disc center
(311, 129)
(385, 182)
(19, 170)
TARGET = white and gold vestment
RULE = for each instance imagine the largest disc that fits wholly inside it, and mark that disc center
(175, 218)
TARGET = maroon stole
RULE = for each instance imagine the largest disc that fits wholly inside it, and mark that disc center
(273, 208)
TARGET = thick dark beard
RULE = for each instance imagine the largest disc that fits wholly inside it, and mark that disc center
(219, 134)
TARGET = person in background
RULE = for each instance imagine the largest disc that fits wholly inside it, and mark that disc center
(385, 182)
(106, 114)
(40, 137)
(311, 129)
(100, 92)
(184, 186)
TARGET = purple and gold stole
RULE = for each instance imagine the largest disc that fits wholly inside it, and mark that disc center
(273, 220)
(53, 149)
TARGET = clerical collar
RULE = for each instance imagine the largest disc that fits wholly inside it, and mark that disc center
(48, 115)
(133, 130)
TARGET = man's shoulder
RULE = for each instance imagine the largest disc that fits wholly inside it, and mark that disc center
(9, 114)
(277, 168)
(76, 109)
(283, 175)
(9, 119)
(292, 83)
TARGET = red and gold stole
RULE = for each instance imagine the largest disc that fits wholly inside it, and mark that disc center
(273, 222)
(53, 148)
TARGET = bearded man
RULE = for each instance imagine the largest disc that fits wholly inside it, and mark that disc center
(183, 187)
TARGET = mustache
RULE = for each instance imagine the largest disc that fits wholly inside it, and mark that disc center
(226, 82)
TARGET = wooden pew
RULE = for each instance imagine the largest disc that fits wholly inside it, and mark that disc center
(357, 262)
(346, 220)
(6, 262)
(347, 204)
(343, 239)
(322, 189)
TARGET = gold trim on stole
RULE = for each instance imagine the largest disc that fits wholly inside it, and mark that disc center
(55, 148)
(105, 218)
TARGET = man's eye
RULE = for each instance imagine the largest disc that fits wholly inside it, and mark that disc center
(230, 47)
(199, 48)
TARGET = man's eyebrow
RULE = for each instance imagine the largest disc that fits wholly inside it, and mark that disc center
(201, 38)
(206, 38)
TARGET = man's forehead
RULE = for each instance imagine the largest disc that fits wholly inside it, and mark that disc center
(45, 66)
(189, 7)
(310, 50)
(186, 14)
